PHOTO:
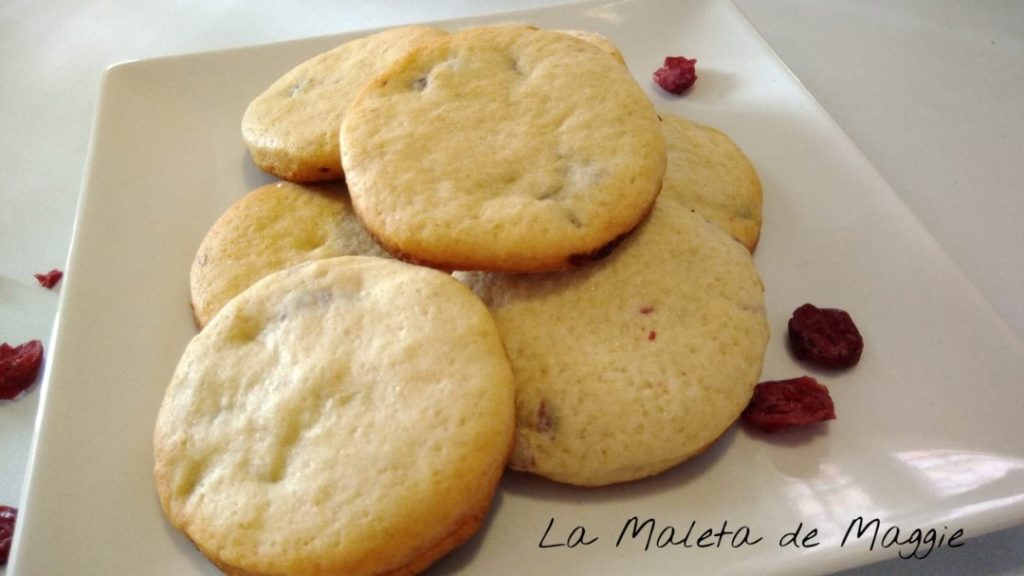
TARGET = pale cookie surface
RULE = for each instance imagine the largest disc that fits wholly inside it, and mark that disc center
(291, 129)
(269, 229)
(318, 425)
(709, 173)
(505, 148)
(599, 40)
(629, 366)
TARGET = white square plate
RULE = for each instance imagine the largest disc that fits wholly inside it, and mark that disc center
(925, 437)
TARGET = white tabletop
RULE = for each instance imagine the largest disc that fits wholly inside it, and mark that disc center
(929, 90)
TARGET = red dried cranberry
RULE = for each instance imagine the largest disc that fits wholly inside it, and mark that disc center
(18, 367)
(781, 404)
(826, 337)
(677, 74)
(50, 279)
(8, 516)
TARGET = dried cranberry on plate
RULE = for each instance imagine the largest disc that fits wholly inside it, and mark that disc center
(8, 516)
(826, 337)
(677, 74)
(19, 366)
(50, 279)
(781, 404)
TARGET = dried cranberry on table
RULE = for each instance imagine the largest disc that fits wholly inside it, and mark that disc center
(19, 366)
(781, 404)
(677, 74)
(8, 516)
(50, 279)
(826, 337)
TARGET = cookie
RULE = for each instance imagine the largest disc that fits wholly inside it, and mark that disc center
(269, 229)
(599, 40)
(291, 129)
(633, 364)
(504, 149)
(318, 425)
(709, 173)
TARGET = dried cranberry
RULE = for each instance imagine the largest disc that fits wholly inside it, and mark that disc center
(826, 337)
(18, 367)
(781, 404)
(677, 74)
(8, 516)
(50, 279)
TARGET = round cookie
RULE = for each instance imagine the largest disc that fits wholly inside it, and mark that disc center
(269, 229)
(502, 148)
(291, 129)
(631, 365)
(708, 172)
(318, 426)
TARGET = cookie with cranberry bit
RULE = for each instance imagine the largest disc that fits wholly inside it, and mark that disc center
(269, 229)
(707, 172)
(633, 364)
(318, 426)
(504, 149)
(291, 129)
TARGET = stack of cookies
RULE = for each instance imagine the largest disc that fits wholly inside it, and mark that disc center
(349, 405)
